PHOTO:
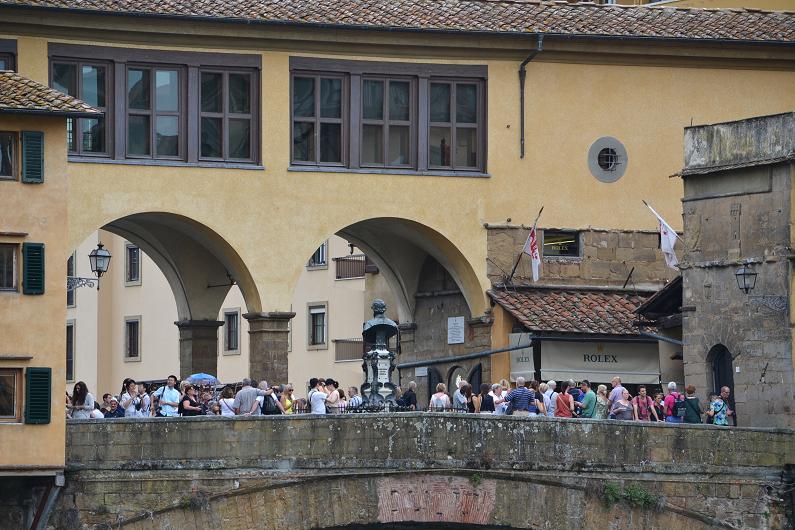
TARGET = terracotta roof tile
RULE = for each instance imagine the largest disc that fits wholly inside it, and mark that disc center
(495, 16)
(571, 311)
(20, 95)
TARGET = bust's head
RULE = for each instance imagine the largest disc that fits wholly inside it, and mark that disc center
(378, 307)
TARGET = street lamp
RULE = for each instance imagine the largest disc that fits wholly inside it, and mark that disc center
(100, 261)
(746, 279)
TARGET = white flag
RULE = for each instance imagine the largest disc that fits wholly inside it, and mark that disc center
(531, 249)
(667, 240)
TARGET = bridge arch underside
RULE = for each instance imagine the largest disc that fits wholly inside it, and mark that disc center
(199, 266)
(465, 499)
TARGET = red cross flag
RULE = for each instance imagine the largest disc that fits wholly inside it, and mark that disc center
(531, 249)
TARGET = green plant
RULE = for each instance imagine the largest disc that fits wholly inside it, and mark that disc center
(611, 494)
(476, 479)
(639, 496)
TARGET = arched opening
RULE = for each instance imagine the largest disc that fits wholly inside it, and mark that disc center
(429, 286)
(165, 269)
(721, 371)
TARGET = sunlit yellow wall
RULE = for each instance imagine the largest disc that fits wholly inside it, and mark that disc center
(33, 325)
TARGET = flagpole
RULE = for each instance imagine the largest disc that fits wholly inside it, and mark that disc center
(659, 217)
(519, 257)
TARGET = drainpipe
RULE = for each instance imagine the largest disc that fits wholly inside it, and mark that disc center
(522, 77)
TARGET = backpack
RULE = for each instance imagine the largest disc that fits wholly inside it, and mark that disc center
(269, 407)
(679, 407)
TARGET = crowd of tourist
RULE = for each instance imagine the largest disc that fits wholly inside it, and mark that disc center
(325, 396)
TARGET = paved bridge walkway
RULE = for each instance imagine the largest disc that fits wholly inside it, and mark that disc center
(310, 472)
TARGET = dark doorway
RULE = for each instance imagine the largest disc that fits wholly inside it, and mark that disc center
(475, 377)
(434, 378)
(720, 360)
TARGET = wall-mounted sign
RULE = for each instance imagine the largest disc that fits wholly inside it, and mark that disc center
(522, 364)
(599, 362)
(455, 330)
(421, 371)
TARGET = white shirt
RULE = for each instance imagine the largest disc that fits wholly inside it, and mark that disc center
(318, 402)
(550, 400)
(227, 406)
(129, 410)
(84, 410)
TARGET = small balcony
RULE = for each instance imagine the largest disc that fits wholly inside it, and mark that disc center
(348, 350)
(349, 267)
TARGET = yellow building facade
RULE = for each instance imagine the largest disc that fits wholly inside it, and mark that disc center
(235, 144)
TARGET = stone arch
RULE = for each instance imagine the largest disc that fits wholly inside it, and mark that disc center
(477, 499)
(400, 247)
(199, 265)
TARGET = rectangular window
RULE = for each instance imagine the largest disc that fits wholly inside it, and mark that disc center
(154, 112)
(226, 115)
(318, 127)
(10, 395)
(70, 271)
(8, 266)
(70, 351)
(7, 61)
(387, 128)
(90, 82)
(231, 331)
(132, 339)
(8, 155)
(559, 243)
(318, 259)
(317, 326)
(453, 134)
(133, 265)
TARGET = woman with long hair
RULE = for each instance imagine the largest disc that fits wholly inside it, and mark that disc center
(82, 402)
(466, 391)
(227, 402)
(602, 403)
(287, 399)
(564, 407)
(486, 402)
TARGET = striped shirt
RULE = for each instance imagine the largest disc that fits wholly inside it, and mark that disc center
(521, 398)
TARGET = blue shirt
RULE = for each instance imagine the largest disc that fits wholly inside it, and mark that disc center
(521, 398)
(165, 393)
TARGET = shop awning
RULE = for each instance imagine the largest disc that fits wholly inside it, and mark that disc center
(633, 362)
(522, 364)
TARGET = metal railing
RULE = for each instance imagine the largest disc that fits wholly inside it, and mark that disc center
(348, 349)
(350, 266)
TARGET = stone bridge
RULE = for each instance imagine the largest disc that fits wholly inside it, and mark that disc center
(306, 472)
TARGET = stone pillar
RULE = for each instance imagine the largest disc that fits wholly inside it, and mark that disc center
(198, 347)
(268, 345)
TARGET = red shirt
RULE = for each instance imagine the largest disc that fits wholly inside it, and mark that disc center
(644, 407)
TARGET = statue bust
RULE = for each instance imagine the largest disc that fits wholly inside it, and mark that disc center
(379, 329)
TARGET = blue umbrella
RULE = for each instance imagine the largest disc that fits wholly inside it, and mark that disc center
(203, 379)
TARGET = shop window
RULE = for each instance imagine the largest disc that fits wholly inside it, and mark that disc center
(560, 243)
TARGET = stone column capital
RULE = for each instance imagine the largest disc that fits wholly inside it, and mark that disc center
(269, 315)
(194, 324)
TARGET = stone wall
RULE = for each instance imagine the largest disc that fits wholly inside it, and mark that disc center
(606, 258)
(306, 472)
(735, 218)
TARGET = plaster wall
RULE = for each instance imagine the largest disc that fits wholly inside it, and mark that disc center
(33, 325)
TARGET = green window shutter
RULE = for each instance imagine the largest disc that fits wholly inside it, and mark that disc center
(33, 268)
(32, 157)
(38, 384)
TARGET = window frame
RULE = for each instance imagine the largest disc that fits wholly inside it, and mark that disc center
(18, 395)
(323, 250)
(153, 113)
(315, 306)
(225, 115)
(127, 321)
(107, 113)
(453, 124)
(386, 122)
(71, 323)
(317, 120)
(226, 349)
(128, 282)
(15, 156)
(8, 50)
(422, 74)
(71, 294)
(17, 262)
(191, 63)
(577, 237)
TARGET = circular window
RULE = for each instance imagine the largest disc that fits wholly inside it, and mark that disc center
(607, 159)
